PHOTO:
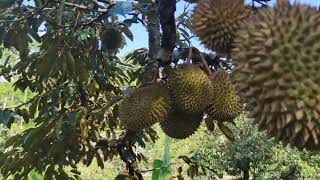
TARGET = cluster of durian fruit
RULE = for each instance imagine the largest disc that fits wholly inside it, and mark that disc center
(180, 103)
(276, 51)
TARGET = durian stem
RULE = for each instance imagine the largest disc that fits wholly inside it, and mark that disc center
(281, 2)
(204, 62)
(189, 58)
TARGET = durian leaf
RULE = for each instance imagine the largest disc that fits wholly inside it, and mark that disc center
(226, 131)
(99, 160)
(128, 33)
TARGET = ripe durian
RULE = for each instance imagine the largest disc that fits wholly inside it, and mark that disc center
(189, 88)
(145, 107)
(111, 38)
(215, 22)
(209, 123)
(226, 103)
(278, 72)
(180, 125)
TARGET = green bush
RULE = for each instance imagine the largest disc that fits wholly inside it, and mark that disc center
(258, 155)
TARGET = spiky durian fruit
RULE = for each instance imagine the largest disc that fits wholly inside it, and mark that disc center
(180, 125)
(189, 88)
(123, 176)
(215, 22)
(144, 107)
(111, 38)
(209, 123)
(226, 104)
(278, 72)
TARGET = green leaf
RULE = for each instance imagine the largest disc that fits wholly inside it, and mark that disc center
(6, 117)
(83, 36)
(127, 32)
(34, 105)
(11, 141)
(99, 161)
(226, 131)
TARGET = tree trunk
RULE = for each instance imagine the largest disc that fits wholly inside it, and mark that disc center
(154, 43)
(246, 174)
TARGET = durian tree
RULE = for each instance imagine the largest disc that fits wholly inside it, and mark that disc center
(66, 53)
(89, 103)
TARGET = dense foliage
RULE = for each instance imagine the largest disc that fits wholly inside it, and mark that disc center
(257, 155)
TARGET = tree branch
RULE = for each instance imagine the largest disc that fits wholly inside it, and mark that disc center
(214, 60)
(167, 9)
(154, 43)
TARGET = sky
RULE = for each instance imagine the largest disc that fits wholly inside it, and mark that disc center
(141, 37)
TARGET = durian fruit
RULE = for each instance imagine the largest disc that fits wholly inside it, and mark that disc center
(209, 123)
(180, 125)
(123, 176)
(189, 88)
(215, 22)
(145, 107)
(278, 64)
(111, 38)
(226, 104)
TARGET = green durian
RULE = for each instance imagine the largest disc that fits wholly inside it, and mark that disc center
(215, 22)
(226, 104)
(180, 125)
(189, 88)
(145, 107)
(278, 62)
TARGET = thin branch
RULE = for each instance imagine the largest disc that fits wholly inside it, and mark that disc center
(29, 16)
(204, 62)
(60, 12)
(82, 7)
(214, 60)
(99, 18)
